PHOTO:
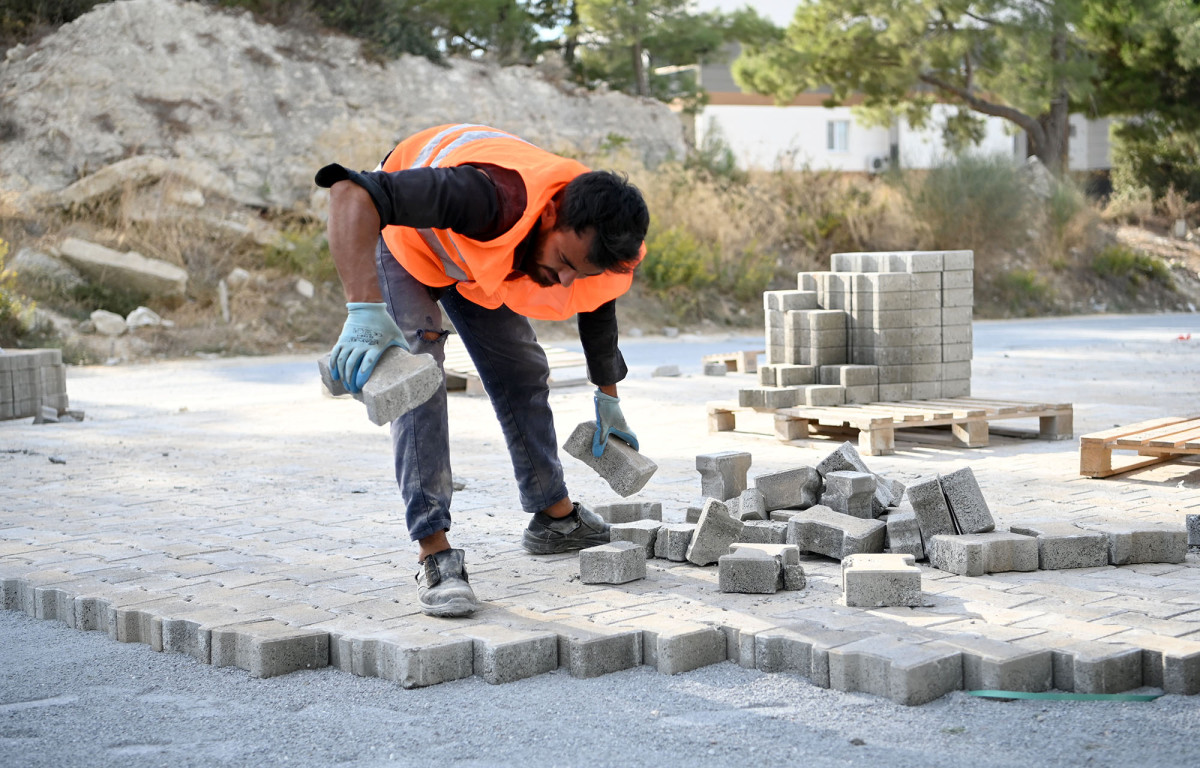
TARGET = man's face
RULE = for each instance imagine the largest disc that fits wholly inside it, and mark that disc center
(560, 258)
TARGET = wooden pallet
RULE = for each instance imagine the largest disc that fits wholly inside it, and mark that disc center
(461, 373)
(1163, 439)
(737, 362)
(876, 423)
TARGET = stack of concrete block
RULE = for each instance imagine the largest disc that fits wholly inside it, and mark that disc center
(31, 379)
(878, 327)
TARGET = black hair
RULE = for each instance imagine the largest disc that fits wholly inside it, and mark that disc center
(607, 204)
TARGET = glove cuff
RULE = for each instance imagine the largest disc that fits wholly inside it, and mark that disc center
(601, 397)
(353, 305)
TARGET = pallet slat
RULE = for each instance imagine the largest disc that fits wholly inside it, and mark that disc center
(1165, 439)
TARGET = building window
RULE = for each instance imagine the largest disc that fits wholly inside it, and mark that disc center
(838, 136)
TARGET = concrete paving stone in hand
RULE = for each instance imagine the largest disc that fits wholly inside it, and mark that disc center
(1063, 545)
(400, 382)
(723, 474)
(967, 505)
(796, 488)
(625, 470)
(715, 531)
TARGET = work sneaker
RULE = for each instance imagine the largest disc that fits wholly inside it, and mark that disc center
(581, 529)
(442, 587)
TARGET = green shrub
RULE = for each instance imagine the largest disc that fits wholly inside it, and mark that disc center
(1121, 262)
(1022, 292)
(303, 252)
(16, 312)
(976, 202)
(676, 259)
(92, 296)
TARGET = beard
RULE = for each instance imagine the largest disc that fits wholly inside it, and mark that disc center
(528, 265)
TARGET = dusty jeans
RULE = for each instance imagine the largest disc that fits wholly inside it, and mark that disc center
(512, 367)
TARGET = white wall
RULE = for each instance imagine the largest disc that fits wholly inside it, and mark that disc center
(770, 137)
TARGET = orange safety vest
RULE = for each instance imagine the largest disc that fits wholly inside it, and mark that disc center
(438, 257)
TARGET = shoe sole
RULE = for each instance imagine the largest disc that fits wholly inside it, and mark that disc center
(455, 608)
(536, 546)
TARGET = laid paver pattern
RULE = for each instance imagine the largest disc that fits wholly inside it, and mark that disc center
(229, 510)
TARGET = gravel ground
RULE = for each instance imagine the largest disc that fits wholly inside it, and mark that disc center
(77, 698)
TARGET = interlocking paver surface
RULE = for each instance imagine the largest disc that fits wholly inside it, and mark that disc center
(231, 498)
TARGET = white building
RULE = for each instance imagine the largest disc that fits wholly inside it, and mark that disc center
(807, 134)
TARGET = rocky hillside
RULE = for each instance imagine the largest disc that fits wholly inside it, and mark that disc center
(254, 109)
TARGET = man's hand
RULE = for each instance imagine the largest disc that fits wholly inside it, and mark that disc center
(368, 332)
(610, 421)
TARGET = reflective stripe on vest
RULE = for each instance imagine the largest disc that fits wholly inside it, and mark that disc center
(448, 263)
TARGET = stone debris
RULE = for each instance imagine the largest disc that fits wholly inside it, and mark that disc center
(763, 532)
(847, 459)
(796, 488)
(749, 506)
(629, 511)
(850, 493)
(625, 470)
(400, 382)
(1065, 545)
(128, 271)
(790, 575)
(825, 532)
(617, 562)
(673, 541)
(881, 580)
(975, 554)
(723, 475)
(715, 531)
(715, 369)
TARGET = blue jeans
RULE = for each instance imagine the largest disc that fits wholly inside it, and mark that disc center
(513, 369)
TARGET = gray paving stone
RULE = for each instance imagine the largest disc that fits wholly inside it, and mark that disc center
(763, 532)
(589, 650)
(749, 506)
(879, 580)
(1063, 545)
(803, 649)
(640, 532)
(715, 531)
(967, 505)
(846, 458)
(269, 648)
(903, 532)
(992, 665)
(821, 530)
(723, 474)
(975, 554)
(749, 571)
(673, 540)
(850, 493)
(503, 654)
(673, 646)
(794, 578)
(617, 562)
(629, 511)
(1130, 543)
(625, 470)
(786, 554)
(927, 502)
(1193, 530)
(902, 671)
(414, 659)
(1170, 663)
(400, 382)
(796, 488)
(1095, 667)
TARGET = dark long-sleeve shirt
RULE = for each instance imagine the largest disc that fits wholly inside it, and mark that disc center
(481, 202)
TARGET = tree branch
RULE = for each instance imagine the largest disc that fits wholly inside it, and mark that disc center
(1029, 124)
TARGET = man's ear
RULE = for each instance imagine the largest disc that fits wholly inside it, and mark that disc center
(549, 215)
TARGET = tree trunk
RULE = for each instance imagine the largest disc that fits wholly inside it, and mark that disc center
(1052, 148)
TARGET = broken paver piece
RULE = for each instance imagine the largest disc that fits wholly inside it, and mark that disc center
(400, 382)
(625, 470)
(715, 531)
(967, 505)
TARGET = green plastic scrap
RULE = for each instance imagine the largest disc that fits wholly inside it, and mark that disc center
(1057, 696)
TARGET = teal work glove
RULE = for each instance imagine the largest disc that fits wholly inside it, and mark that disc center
(610, 421)
(368, 332)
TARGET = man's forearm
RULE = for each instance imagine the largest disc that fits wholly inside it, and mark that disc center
(353, 235)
